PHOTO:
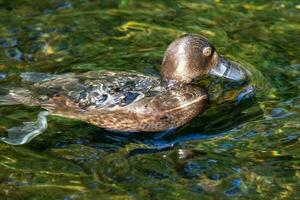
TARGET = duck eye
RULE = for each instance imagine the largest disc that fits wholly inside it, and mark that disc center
(207, 51)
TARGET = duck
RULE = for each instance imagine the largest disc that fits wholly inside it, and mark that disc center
(125, 101)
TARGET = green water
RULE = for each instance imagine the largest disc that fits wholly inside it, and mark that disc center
(248, 150)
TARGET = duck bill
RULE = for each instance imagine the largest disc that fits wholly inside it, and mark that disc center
(225, 69)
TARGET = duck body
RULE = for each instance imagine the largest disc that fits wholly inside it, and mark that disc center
(117, 101)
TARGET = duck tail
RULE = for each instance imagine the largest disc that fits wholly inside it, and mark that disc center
(7, 100)
(35, 77)
(17, 96)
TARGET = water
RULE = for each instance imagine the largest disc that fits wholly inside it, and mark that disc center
(245, 150)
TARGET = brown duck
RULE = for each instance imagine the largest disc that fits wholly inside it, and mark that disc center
(125, 101)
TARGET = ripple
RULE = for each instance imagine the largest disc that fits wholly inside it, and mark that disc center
(244, 150)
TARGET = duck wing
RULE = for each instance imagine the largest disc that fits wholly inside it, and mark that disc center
(171, 108)
(98, 89)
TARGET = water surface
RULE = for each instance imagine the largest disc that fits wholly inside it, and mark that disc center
(246, 149)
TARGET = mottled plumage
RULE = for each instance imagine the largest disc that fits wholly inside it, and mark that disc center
(117, 101)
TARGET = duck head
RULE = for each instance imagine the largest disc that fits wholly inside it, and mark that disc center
(192, 56)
